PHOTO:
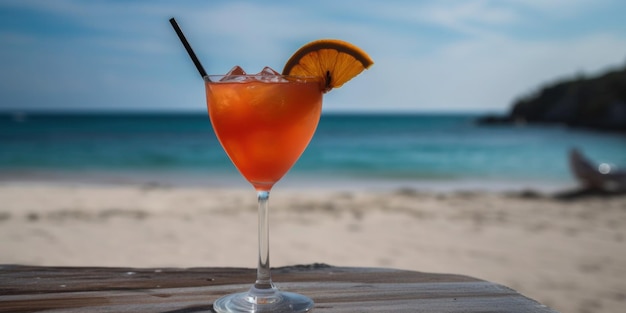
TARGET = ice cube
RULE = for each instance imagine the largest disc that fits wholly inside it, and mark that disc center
(268, 71)
(235, 74)
(268, 74)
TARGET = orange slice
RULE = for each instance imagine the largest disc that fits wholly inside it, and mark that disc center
(336, 61)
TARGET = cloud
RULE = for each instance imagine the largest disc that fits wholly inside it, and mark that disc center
(470, 17)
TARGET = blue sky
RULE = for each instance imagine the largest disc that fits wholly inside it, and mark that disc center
(431, 55)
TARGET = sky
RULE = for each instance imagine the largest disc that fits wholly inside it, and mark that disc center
(430, 55)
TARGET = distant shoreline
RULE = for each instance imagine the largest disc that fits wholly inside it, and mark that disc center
(297, 181)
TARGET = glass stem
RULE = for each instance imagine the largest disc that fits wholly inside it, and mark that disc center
(264, 279)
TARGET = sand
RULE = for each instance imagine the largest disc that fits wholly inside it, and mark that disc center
(567, 254)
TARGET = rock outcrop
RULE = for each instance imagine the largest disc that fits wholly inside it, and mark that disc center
(595, 102)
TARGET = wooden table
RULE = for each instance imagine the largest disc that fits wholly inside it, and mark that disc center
(174, 290)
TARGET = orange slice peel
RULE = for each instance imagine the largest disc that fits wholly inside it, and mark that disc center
(335, 61)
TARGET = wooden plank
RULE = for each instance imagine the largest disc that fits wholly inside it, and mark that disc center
(171, 290)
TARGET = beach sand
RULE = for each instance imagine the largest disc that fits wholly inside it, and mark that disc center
(567, 254)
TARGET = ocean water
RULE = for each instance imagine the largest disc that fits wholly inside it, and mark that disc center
(383, 149)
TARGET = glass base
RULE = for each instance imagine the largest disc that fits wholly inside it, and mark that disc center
(263, 300)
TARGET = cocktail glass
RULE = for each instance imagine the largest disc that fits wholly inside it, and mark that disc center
(264, 123)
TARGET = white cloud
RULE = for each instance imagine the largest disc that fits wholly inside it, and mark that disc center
(470, 17)
(561, 8)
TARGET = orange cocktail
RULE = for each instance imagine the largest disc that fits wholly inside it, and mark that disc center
(264, 122)
(264, 125)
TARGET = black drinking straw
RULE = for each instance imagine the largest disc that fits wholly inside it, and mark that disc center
(188, 48)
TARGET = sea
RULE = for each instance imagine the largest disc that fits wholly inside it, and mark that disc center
(427, 151)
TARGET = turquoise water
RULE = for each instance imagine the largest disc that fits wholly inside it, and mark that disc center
(403, 147)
